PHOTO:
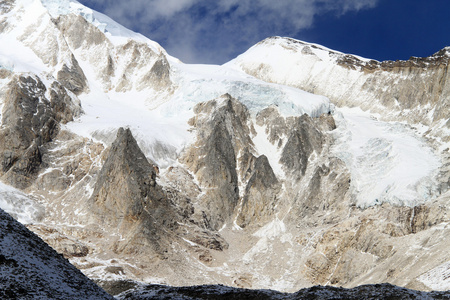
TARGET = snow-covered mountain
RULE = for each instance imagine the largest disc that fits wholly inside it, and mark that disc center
(291, 165)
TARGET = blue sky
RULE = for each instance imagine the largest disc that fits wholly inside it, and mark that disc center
(207, 31)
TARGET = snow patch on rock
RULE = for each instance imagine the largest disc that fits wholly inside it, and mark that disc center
(19, 205)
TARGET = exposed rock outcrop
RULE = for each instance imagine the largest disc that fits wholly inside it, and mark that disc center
(276, 125)
(303, 140)
(127, 197)
(158, 76)
(79, 34)
(222, 132)
(72, 77)
(69, 247)
(30, 120)
(135, 64)
(261, 193)
(327, 189)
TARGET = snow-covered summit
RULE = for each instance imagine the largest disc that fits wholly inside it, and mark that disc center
(282, 57)
(116, 32)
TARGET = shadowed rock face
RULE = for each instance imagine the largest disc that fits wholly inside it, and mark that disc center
(30, 120)
(63, 107)
(303, 140)
(28, 112)
(261, 194)
(127, 197)
(72, 77)
(375, 291)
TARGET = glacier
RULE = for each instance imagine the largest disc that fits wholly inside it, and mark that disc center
(389, 161)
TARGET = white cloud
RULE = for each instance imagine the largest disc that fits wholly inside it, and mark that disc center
(207, 31)
(168, 8)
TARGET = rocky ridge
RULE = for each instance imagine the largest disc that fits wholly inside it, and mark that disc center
(30, 118)
(30, 269)
(378, 291)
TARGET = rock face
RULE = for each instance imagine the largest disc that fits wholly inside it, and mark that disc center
(127, 197)
(72, 77)
(307, 208)
(302, 142)
(263, 189)
(30, 269)
(134, 64)
(29, 120)
(214, 158)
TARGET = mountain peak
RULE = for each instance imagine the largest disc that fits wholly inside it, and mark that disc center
(116, 32)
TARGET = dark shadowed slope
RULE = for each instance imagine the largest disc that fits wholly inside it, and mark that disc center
(30, 269)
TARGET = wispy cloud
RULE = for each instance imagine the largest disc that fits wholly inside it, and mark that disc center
(216, 31)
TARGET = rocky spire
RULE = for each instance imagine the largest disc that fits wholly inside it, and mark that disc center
(126, 196)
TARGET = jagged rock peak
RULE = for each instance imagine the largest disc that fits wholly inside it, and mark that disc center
(223, 131)
(126, 197)
(29, 120)
(132, 173)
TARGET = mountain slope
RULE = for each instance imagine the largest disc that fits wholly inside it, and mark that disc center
(415, 92)
(30, 269)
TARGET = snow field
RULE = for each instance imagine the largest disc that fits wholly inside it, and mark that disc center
(438, 278)
(19, 205)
